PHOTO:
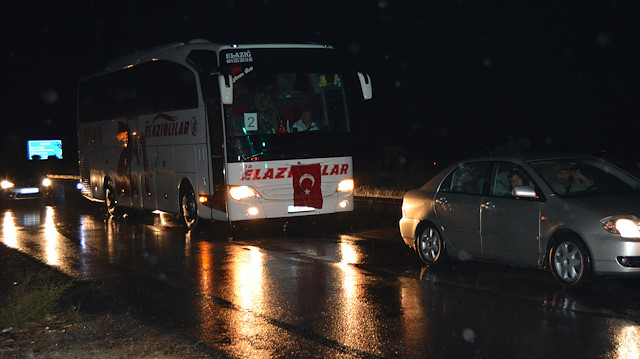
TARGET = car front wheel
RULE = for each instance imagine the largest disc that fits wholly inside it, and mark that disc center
(430, 246)
(570, 262)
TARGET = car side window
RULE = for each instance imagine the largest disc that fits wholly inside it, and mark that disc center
(468, 178)
(507, 176)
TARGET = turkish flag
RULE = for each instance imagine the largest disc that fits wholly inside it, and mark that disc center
(307, 182)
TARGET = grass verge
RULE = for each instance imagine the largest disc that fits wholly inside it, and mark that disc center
(28, 293)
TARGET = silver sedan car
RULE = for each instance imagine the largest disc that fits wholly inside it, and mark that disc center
(576, 216)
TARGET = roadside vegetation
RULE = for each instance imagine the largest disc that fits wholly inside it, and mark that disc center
(40, 317)
(30, 294)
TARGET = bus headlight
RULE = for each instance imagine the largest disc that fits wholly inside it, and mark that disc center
(46, 182)
(346, 185)
(242, 192)
(6, 184)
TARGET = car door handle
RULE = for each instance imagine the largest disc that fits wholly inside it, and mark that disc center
(488, 205)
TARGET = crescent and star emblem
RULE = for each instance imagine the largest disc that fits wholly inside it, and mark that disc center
(307, 191)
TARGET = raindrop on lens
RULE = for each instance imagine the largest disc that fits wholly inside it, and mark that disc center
(469, 335)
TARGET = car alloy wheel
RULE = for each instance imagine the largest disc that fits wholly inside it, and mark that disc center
(429, 245)
(570, 263)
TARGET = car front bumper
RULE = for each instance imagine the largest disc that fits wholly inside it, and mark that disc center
(614, 255)
(22, 193)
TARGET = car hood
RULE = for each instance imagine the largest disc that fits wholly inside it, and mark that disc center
(619, 204)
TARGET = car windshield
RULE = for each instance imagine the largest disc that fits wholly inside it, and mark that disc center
(585, 177)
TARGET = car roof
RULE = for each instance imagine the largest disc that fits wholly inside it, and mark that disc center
(525, 157)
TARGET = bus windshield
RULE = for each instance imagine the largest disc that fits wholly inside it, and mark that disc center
(287, 104)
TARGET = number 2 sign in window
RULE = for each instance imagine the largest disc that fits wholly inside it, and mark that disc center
(251, 121)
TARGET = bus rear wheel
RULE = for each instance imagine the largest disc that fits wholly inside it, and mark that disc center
(188, 207)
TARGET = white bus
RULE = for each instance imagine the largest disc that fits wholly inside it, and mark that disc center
(222, 132)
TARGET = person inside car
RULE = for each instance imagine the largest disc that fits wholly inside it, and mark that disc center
(516, 179)
(569, 179)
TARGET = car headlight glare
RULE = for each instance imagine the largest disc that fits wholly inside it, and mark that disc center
(242, 192)
(346, 185)
(625, 226)
(6, 184)
(46, 182)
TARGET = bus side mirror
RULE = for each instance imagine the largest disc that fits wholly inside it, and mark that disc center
(365, 84)
(226, 89)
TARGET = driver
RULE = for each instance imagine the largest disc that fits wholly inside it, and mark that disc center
(569, 179)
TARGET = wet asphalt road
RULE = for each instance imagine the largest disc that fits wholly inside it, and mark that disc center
(329, 286)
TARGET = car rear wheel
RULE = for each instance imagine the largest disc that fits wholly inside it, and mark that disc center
(430, 246)
(570, 262)
(188, 207)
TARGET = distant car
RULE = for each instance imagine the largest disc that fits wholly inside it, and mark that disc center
(23, 183)
(576, 216)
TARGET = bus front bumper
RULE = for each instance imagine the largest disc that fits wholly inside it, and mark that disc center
(256, 208)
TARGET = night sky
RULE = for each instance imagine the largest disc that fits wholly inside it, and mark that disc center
(451, 79)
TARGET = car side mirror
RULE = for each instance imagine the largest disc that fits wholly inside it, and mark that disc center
(524, 192)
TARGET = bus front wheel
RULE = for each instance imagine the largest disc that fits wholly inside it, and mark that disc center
(188, 206)
(110, 201)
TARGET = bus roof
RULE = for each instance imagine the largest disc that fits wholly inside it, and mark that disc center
(178, 51)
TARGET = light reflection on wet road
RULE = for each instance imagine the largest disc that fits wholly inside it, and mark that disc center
(313, 292)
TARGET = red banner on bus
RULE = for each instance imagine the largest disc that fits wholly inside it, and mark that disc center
(307, 181)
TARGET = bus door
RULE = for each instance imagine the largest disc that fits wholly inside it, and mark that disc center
(133, 159)
(143, 166)
(123, 181)
(131, 165)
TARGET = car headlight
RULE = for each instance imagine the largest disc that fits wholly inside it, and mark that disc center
(6, 184)
(346, 185)
(46, 182)
(241, 192)
(625, 226)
